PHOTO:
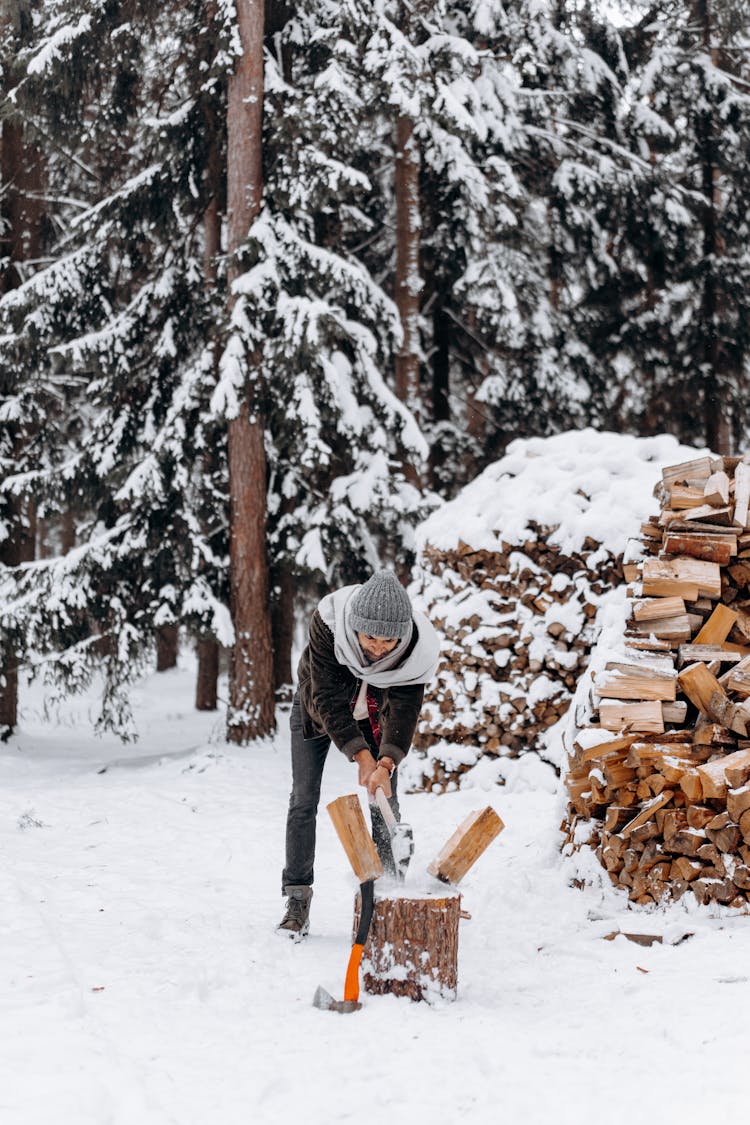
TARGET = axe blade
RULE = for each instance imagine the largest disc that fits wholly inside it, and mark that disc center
(323, 1000)
(401, 835)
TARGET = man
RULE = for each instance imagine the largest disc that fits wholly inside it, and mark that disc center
(360, 685)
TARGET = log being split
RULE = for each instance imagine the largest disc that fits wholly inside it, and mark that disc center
(412, 949)
(465, 846)
(346, 816)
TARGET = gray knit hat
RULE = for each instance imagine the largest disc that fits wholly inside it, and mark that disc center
(381, 608)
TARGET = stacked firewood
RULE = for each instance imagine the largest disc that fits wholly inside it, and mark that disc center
(663, 776)
(517, 624)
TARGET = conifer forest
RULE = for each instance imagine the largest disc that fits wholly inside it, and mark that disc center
(277, 279)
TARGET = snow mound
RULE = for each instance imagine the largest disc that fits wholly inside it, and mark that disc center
(582, 483)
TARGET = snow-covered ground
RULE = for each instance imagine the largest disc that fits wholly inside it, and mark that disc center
(142, 982)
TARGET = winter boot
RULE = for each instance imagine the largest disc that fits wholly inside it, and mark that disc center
(296, 921)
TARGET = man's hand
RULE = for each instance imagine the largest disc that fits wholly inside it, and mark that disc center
(367, 766)
(371, 775)
(380, 778)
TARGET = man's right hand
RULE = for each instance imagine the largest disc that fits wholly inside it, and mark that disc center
(367, 766)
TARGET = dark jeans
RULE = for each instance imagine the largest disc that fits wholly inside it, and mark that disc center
(308, 759)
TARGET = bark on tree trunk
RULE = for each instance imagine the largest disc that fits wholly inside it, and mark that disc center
(251, 700)
(212, 214)
(20, 241)
(408, 282)
(8, 695)
(712, 405)
(10, 555)
(167, 647)
(717, 421)
(283, 629)
(68, 532)
(441, 339)
(19, 548)
(251, 697)
(43, 549)
(206, 684)
(207, 647)
(441, 336)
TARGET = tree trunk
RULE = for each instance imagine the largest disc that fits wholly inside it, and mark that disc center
(408, 281)
(11, 554)
(717, 421)
(19, 548)
(207, 648)
(167, 647)
(441, 336)
(441, 355)
(8, 692)
(251, 700)
(212, 214)
(251, 697)
(68, 532)
(20, 241)
(283, 630)
(713, 410)
(206, 684)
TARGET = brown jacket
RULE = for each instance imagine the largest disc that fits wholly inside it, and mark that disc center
(327, 688)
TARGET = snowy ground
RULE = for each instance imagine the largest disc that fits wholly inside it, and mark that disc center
(142, 983)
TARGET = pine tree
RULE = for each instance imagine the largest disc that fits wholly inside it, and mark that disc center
(684, 340)
(325, 327)
(109, 346)
(527, 289)
(424, 74)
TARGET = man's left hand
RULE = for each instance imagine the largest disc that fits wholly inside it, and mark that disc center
(380, 778)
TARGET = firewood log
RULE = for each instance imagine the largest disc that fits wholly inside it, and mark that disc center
(716, 490)
(685, 868)
(705, 691)
(412, 946)
(741, 494)
(745, 826)
(717, 628)
(710, 547)
(724, 833)
(738, 800)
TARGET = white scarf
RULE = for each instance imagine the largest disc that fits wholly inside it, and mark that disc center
(417, 668)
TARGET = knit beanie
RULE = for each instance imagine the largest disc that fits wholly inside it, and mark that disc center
(381, 607)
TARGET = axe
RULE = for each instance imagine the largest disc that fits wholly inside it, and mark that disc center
(402, 837)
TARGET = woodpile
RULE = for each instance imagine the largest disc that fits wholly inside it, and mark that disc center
(518, 629)
(662, 773)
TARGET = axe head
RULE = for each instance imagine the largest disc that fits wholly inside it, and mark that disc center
(326, 1002)
(402, 846)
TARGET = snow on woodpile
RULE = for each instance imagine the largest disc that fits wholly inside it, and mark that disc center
(658, 777)
(512, 572)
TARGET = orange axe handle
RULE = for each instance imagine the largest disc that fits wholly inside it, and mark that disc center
(351, 982)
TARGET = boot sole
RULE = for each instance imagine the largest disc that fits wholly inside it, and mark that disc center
(294, 935)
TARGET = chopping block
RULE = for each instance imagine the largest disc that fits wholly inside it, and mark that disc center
(412, 947)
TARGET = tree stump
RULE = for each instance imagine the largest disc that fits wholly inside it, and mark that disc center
(412, 947)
